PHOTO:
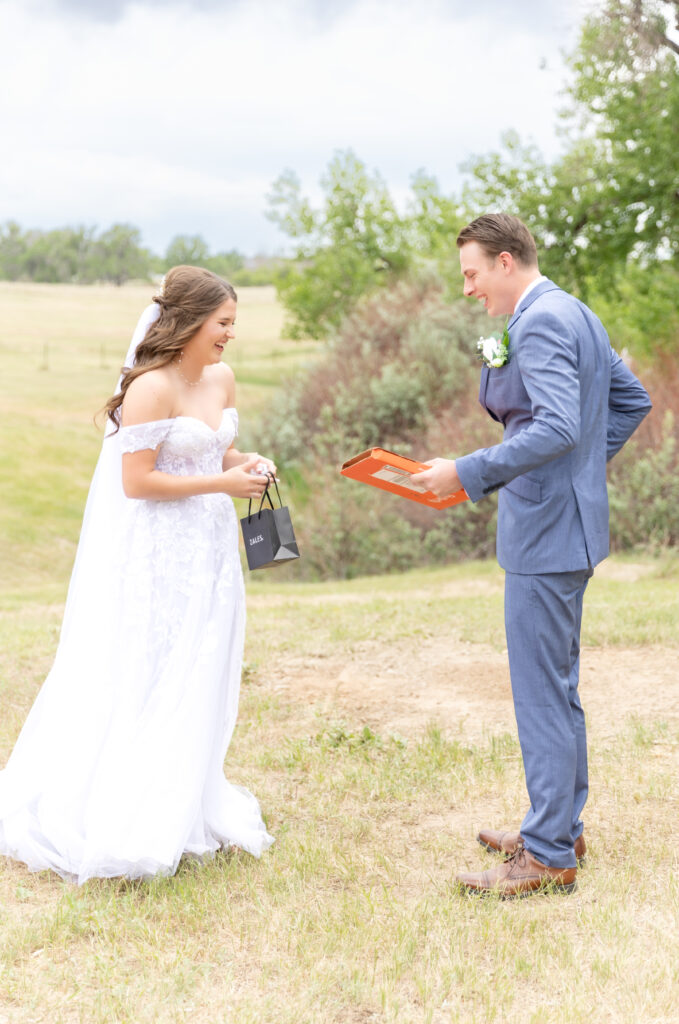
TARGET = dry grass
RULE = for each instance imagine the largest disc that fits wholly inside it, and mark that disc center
(62, 346)
(351, 916)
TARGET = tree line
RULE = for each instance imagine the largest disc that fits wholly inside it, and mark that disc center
(81, 255)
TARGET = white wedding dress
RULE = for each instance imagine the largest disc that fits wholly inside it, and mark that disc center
(119, 767)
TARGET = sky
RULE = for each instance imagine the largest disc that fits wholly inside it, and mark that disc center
(177, 117)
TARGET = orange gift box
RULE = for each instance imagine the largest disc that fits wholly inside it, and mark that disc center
(392, 472)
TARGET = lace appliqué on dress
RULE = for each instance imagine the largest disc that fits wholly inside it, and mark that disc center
(140, 436)
(182, 548)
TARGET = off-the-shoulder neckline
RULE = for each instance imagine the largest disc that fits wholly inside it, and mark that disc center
(171, 419)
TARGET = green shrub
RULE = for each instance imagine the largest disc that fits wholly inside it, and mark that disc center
(348, 530)
(644, 493)
(400, 374)
(401, 360)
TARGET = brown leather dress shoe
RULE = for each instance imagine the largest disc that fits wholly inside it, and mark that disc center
(509, 842)
(519, 876)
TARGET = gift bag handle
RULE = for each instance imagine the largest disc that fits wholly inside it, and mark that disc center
(278, 493)
(266, 494)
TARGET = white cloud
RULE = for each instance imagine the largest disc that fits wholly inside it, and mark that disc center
(169, 116)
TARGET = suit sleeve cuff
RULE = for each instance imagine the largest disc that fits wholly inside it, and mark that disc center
(468, 471)
(468, 478)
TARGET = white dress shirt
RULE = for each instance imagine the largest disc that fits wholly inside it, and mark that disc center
(529, 289)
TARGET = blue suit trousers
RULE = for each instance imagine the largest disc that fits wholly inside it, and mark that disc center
(542, 621)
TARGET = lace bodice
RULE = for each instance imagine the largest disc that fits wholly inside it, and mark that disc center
(181, 544)
(187, 446)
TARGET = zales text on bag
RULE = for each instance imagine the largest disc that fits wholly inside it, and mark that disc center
(268, 534)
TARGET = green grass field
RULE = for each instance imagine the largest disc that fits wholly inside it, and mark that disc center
(352, 915)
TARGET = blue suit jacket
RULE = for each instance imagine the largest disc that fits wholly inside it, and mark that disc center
(567, 403)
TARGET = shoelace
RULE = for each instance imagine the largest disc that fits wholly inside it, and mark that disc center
(519, 848)
(518, 858)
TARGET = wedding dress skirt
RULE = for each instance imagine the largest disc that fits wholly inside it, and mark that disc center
(119, 767)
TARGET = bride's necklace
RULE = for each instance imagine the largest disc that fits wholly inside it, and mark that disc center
(191, 383)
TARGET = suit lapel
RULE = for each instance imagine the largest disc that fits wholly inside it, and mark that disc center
(540, 289)
(483, 386)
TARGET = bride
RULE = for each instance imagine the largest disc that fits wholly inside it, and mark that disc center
(118, 768)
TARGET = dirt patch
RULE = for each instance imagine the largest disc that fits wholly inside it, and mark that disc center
(465, 688)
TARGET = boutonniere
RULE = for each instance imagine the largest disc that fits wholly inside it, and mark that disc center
(494, 351)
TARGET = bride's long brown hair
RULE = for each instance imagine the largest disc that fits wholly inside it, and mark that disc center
(188, 297)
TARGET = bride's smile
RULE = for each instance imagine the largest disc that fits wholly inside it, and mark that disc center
(208, 343)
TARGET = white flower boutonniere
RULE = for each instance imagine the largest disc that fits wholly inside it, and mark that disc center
(494, 351)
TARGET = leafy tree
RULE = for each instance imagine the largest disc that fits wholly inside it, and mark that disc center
(562, 204)
(435, 220)
(187, 249)
(12, 251)
(614, 195)
(627, 88)
(194, 251)
(643, 315)
(226, 264)
(64, 254)
(120, 256)
(353, 244)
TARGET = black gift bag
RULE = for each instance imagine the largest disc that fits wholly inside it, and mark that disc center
(268, 534)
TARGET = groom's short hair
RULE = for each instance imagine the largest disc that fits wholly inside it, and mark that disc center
(500, 232)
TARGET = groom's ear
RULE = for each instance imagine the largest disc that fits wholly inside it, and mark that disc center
(506, 261)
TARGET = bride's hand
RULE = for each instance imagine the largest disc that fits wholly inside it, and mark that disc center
(240, 482)
(261, 460)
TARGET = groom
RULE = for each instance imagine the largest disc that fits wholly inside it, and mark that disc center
(567, 404)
